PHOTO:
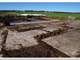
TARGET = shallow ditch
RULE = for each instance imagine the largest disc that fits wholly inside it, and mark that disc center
(40, 50)
(53, 33)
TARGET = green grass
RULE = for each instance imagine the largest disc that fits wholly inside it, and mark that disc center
(63, 14)
(50, 14)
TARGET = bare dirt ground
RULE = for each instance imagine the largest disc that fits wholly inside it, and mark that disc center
(57, 39)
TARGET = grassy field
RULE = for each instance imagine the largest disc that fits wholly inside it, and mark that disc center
(64, 14)
(50, 14)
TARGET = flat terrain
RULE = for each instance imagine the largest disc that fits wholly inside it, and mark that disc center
(51, 14)
(40, 37)
(54, 40)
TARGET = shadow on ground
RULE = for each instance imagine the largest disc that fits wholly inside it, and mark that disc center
(41, 50)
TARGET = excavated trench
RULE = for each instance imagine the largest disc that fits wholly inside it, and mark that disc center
(40, 50)
(53, 51)
(48, 34)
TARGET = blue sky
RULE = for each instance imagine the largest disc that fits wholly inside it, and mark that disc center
(47, 6)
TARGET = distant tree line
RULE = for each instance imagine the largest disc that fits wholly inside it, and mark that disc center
(4, 11)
